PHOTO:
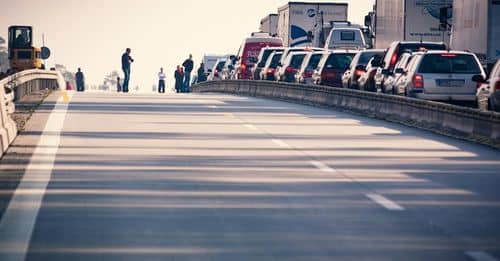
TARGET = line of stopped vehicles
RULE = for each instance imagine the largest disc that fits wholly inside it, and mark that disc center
(424, 70)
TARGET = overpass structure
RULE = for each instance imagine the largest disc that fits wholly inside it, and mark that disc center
(250, 171)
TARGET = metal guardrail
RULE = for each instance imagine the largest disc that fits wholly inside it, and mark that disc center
(17, 86)
(456, 121)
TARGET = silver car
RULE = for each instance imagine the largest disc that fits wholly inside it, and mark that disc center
(488, 95)
(442, 76)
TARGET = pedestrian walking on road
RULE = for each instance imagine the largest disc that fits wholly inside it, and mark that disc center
(188, 68)
(179, 78)
(80, 81)
(201, 73)
(126, 61)
(161, 81)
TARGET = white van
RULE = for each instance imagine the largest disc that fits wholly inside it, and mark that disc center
(346, 38)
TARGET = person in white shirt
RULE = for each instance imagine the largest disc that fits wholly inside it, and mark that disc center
(161, 82)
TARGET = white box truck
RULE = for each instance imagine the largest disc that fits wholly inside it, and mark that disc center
(409, 20)
(302, 23)
(269, 24)
(476, 28)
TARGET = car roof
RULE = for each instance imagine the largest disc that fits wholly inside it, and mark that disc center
(343, 51)
(418, 42)
(444, 51)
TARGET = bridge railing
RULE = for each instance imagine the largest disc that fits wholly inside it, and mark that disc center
(456, 121)
(14, 88)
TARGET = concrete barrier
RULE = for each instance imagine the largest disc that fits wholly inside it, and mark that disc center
(21, 84)
(456, 121)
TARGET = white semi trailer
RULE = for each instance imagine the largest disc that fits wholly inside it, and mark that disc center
(409, 20)
(302, 24)
(476, 28)
(269, 24)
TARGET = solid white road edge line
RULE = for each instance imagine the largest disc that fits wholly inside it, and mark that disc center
(480, 256)
(17, 224)
(385, 202)
(322, 166)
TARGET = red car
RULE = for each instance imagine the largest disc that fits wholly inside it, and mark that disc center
(331, 68)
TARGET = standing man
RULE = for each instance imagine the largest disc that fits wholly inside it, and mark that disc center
(188, 68)
(80, 81)
(126, 61)
(161, 81)
(201, 73)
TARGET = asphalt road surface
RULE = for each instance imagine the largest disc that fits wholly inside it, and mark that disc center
(213, 177)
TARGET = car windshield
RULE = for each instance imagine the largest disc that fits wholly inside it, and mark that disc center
(275, 61)
(366, 56)
(297, 60)
(449, 63)
(339, 61)
(314, 61)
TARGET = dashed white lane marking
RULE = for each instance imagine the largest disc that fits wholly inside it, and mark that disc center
(480, 256)
(212, 107)
(19, 219)
(251, 127)
(322, 166)
(385, 202)
(280, 143)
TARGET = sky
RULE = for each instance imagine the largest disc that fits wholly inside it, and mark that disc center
(92, 34)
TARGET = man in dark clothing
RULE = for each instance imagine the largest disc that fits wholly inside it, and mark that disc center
(188, 68)
(80, 81)
(201, 73)
(126, 61)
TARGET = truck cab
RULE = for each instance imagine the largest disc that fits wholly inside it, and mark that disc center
(22, 54)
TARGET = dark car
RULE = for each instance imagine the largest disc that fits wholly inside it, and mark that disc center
(358, 67)
(395, 50)
(332, 67)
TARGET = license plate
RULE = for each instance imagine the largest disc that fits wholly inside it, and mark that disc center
(450, 83)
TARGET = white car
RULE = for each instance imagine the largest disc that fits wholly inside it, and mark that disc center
(488, 94)
(216, 72)
(442, 76)
(290, 66)
(311, 62)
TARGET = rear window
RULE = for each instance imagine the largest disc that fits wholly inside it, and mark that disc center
(220, 65)
(275, 61)
(265, 56)
(314, 61)
(347, 36)
(449, 63)
(297, 60)
(339, 61)
(366, 56)
(415, 47)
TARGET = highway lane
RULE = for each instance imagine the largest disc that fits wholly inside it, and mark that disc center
(217, 177)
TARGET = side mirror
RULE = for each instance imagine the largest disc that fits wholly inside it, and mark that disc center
(478, 78)
(361, 67)
(399, 71)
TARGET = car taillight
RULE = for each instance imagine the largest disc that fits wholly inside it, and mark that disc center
(497, 85)
(290, 70)
(448, 55)
(372, 74)
(243, 67)
(270, 71)
(358, 73)
(418, 81)
(394, 59)
(216, 73)
(307, 73)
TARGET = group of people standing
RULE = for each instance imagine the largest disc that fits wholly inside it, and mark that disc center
(183, 75)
